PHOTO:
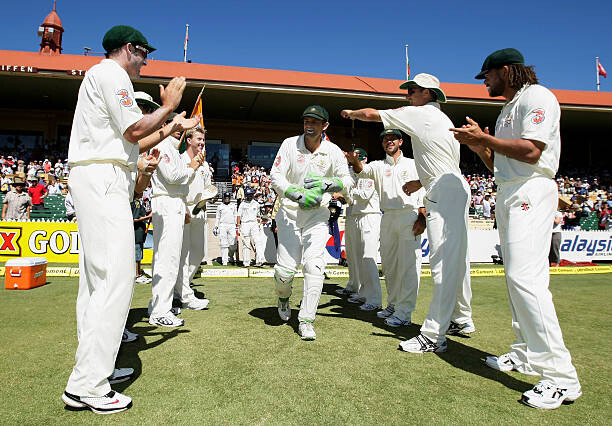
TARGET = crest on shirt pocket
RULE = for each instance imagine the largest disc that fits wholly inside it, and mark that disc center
(388, 172)
(166, 158)
(538, 115)
(508, 120)
(301, 158)
(124, 98)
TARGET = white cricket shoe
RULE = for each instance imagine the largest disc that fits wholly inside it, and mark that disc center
(167, 320)
(128, 336)
(356, 298)
(369, 307)
(387, 312)
(196, 304)
(143, 279)
(284, 310)
(394, 321)
(112, 402)
(460, 329)
(421, 344)
(120, 375)
(547, 396)
(504, 363)
(307, 331)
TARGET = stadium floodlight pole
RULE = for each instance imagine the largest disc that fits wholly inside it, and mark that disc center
(186, 40)
(407, 65)
(597, 70)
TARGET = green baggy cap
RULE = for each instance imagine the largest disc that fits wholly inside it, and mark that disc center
(390, 132)
(500, 58)
(316, 111)
(120, 35)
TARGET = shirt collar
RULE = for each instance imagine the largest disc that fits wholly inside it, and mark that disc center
(434, 104)
(518, 94)
(323, 148)
(391, 161)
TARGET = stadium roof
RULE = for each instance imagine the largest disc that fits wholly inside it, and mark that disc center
(228, 77)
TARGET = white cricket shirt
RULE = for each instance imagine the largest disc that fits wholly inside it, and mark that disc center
(171, 177)
(435, 149)
(201, 178)
(389, 177)
(248, 211)
(534, 114)
(226, 215)
(105, 109)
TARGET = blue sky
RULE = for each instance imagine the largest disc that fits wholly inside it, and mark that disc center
(447, 38)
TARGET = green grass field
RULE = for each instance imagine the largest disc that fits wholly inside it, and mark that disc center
(236, 363)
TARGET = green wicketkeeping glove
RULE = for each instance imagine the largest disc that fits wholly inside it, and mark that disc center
(324, 184)
(295, 193)
(312, 198)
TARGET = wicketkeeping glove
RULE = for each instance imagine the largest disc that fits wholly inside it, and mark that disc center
(294, 193)
(324, 184)
(312, 198)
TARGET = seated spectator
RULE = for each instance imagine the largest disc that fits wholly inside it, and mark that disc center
(17, 203)
(69, 205)
(54, 187)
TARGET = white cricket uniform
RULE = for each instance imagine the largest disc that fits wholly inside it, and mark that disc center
(303, 233)
(250, 230)
(362, 240)
(526, 203)
(195, 233)
(447, 200)
(225, 221)
(170, 183)
(102, 184)
(400, 249)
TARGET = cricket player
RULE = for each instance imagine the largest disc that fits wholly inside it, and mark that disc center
(362, 240)
(402, 224)
(194, 230)
(307, 170)
(225, 228)
(250, 229)
(170, 185)
(447, 199)
(524, 154)
(107, 135)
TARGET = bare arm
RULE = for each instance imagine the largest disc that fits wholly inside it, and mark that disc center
(146, 167)
(4, 211)
(525, 150)
(353, 160)
(364, 114)
(179, 123)
(170, 96)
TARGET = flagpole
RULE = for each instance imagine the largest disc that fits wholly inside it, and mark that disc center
(186, 40)
(597, 70)
(193, 110)
(407, 65)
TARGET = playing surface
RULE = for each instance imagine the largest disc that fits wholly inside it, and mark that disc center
(236, 363)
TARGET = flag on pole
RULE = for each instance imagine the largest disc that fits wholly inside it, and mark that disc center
(601, 70)
(407, 65)
(197, 111)
(186, 40)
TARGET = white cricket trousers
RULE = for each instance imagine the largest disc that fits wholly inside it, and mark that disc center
(251, 231)
(447, 203)
(365, 245)
(401, 255)
(351, 242)
(305, 246)
(168, 223)
(227, 241)
(192, 252)
(525, 213)
(101, 193)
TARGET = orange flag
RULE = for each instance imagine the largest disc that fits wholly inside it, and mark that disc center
(197, 110)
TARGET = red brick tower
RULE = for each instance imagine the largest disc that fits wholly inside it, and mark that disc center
(50, 33)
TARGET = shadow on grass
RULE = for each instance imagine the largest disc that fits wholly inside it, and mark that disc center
(270, 317)
(459, 355)
(129, 352)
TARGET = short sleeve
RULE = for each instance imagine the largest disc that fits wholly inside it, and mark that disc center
(404, 118)
(118, 94)
(540, 117)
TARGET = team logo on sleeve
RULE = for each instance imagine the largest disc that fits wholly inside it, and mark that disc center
(538, 116)
(124, 98)
(277, 161)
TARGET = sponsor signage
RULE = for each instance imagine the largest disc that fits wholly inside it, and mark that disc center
(18, 68)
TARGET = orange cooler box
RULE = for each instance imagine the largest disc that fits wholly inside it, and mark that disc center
(25, 272)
